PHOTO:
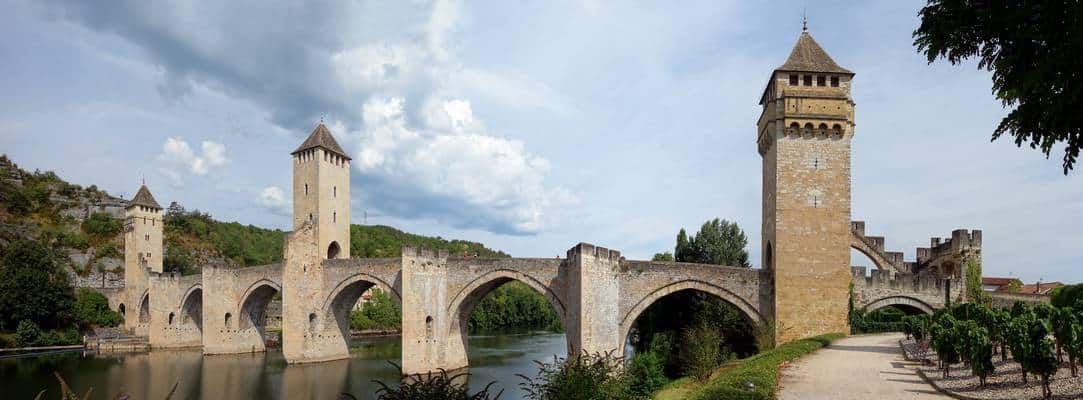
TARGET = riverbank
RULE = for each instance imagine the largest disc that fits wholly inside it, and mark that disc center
(755, 377)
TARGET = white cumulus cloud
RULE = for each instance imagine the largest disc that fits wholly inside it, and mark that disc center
(274, 199)
(453, 169)
(177, 152)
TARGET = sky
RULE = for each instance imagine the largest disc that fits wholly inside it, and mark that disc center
(529, 126)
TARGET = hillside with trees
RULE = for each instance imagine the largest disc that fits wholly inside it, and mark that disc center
(85, 224)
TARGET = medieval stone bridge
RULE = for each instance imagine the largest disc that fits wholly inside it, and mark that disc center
(803, 137)
(596, 292)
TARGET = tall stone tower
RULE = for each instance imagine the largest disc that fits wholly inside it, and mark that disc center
(804, 135)
(142, 235)
(321, 192)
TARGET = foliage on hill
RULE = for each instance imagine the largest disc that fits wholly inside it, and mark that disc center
(40, 205)
(384, 241)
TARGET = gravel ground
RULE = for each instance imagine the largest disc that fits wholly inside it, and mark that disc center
(856, 368)
(1006, 383)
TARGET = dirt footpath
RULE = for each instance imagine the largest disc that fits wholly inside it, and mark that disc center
(859, 368)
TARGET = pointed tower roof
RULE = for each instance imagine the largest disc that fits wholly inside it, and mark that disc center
(321, 137)
(808, 56)
(144, 198)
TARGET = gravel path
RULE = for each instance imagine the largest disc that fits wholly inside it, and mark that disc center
(860, 367)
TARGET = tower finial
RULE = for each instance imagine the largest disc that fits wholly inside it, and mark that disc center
(804, 20)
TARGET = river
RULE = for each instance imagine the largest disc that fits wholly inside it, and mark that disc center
(150, 375)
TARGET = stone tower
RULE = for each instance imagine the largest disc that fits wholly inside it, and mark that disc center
(321, 192)
(142, 253)
(804, 135)
(142, 235)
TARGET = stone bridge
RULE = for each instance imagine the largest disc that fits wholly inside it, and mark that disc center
(596, 293)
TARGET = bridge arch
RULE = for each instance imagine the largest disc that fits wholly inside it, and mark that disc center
(629, 318)
(858, 243)
(905, 301)
(460, 306)
(191, 307)
(144, 307)
(336, 307)
(254, 303)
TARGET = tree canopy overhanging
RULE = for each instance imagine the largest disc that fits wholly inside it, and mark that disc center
(1032, 49)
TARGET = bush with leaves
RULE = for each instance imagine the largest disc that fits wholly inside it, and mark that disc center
(1041, 358)
(701, 350)
(1074, 347)
(978, 348)
(92, 309)
(1063, 322)
(646, 373)
(580, 377)
(430, 386)
(33, 286)
(29, 334)
(944, 342)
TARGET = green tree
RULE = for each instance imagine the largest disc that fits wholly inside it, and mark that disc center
(944, 342)
(1032, 50)
(974, 291)
(102, 225)
(978, 348)
(33, 286)
(381, 311)
(646, 373)
(1014, 286)
(28, 334)
(92, 309)
(667, 256)
(718, 241)
(701, 350)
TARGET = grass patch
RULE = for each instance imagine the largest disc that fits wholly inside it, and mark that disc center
(728, 382)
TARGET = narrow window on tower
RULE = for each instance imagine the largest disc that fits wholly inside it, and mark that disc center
(821, 80)
(815, 202)
(306, 189)
(793, 79)
(334, 216)
(146, 237)
(834, 81)
(816, 164)
(334, 192)
(808, 80)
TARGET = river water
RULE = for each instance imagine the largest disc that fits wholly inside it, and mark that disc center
(151, 375)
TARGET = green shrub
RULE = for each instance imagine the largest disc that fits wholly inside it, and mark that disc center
(28, 334)
(761, 371)
(646, 373)
(92, 308)
(108, 250)
(102, 225)
(430, 386)
(584, 376)
(701, 350)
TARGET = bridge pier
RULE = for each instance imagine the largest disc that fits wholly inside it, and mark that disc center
(308, 333)
(168, 328)
(223, 331)
(594, 300)
(427, 344)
